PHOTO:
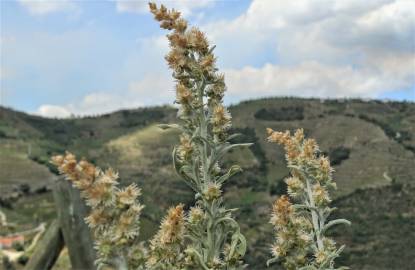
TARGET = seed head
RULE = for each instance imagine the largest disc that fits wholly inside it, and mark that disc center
(196, 215)
(320, 195)
(281, 211)
(212, 191)
(185, 149)
(172, 227)
(221, 120)
(128, 195)
(295, 186)
(309, 148)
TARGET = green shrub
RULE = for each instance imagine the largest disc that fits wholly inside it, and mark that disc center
(280, 114)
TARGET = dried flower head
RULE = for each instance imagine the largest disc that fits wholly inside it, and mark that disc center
(281, 211)
(97, 217)
(221, 121)
(184, 95)
(212, 192)
(128, 195)
(166, 247)
(196, 215)
(185, 149)
(295, 187)
(320, 195)
(172, 227)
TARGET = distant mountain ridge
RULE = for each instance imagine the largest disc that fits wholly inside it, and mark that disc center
(371, 145)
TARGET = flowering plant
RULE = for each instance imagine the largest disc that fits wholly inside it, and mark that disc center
(115, 212)
(206, 236)
(300, 240)
(213, 237)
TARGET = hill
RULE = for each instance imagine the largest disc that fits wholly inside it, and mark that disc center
(371, 145)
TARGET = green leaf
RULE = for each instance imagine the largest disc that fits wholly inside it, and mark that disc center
(183, 172)
(234, 169)
(233, 136)
(335, 222)
(272, 261)
(219, 153)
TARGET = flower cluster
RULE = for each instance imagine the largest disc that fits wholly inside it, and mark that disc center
(166, 247)
(293, 234)
(300, 228)
(213, 237)
(193, 64)
(304, 160)
(115, 212)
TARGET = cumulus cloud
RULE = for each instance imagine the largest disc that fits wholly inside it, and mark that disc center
(307, 48)
(43, 7)
(48, 110)
(141, 6)
(313, 79)
(92, 104)
(322, 48)
(151, 89)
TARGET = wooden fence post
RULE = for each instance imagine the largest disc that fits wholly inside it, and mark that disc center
(76, 234)
(47, 250)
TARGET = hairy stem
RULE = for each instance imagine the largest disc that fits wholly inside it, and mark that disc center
(314, 216)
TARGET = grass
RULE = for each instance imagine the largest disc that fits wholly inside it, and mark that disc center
(30, 211)
(16, 167)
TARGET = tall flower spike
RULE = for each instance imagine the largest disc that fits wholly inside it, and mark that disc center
(300, 241)
(115, 215)
(214, 238)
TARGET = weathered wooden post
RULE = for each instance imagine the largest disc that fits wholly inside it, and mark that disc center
(47, 250)
(76, 234)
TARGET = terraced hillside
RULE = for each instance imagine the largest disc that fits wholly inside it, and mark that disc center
(371, 145)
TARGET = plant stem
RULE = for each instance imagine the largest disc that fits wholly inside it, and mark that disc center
(203, 148)
(314, 215)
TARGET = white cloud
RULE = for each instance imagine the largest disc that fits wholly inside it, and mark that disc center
(322, 48)
(53, 111)
(150, 90)
(92, 104)
(313, 79)
(141, 6)
(319, 48)
(100, 102)
(154, 89)
(43, 7)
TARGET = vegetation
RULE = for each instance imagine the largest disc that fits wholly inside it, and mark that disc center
(207, 237)
(382, 169)
(373, 155)
(301, 228)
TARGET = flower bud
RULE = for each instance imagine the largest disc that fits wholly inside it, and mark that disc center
(212, 192)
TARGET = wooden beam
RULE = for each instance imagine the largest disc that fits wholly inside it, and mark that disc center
(71, 213)
(47, 250)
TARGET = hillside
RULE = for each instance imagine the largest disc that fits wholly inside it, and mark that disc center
(371, 145)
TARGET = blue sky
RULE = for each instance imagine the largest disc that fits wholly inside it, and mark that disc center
(89, 57)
